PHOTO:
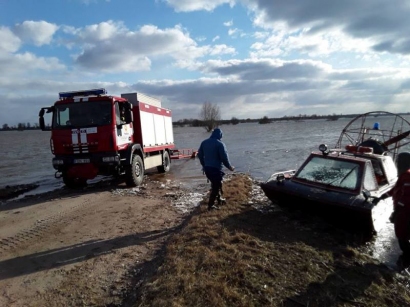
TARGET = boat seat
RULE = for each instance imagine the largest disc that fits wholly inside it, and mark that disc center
(380, 177)
(378, 147)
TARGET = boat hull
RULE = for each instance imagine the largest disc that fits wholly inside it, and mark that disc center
(352, 212)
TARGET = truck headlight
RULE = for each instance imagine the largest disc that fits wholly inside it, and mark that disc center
(58, 162)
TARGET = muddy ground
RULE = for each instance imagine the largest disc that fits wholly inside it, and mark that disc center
(108, 245)
(84, 247)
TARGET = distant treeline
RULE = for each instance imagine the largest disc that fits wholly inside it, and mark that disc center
(267, 120)
(20, 126)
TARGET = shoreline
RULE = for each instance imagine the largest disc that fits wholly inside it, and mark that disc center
(12, 191)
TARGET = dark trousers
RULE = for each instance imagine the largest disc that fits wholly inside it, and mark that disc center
(215, 176)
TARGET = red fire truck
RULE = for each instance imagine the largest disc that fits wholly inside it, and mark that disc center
(93, 133)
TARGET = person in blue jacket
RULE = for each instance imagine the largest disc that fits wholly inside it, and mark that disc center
(213, 155)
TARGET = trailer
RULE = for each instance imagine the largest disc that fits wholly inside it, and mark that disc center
(185, 153)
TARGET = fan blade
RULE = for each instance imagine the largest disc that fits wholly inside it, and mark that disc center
(396, 139)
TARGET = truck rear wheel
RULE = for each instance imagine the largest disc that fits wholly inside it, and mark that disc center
(166, 163)
(134, 173)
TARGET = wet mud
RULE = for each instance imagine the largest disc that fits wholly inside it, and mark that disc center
(9, 192)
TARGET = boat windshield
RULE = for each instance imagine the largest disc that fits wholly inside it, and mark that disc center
(331, 172)
(85, 114)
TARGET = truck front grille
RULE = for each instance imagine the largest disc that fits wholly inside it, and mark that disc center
(81, 148)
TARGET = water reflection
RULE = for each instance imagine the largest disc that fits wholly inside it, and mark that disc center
(384, 247)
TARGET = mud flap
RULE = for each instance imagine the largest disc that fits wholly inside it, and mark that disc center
(83, 171)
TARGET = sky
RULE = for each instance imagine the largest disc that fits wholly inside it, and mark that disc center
(251, 58)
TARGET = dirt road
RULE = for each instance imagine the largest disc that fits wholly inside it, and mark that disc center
(73, 248)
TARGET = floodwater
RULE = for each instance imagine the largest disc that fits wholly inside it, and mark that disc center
(254, 149)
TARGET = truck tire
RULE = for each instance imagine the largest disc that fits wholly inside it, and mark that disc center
(134, 173)
(166, 163)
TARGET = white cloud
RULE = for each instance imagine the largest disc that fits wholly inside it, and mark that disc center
(260, 35)
(102, 52)
(267, 69)
(246, 89)
(28, 64)
(197, 5)
(301, 58)
(286, 87)
(136, 47)
(38, 32)
(88, 2)
(102, 31)
(232, 32)
(306, 43)
(383, 24)
(8, 41)
(221, 49)
(15, 64)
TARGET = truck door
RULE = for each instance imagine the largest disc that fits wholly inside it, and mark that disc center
(124, 130)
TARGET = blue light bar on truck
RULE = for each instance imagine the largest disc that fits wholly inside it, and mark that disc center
(94, 92)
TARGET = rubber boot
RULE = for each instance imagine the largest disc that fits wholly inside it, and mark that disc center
(221, 200)
(211, 203)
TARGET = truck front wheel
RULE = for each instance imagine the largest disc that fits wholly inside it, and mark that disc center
(166, 163)
(134, 173)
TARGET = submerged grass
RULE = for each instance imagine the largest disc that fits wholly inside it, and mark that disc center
(239, 256)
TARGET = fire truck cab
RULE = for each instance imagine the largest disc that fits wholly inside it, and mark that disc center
(93, 133)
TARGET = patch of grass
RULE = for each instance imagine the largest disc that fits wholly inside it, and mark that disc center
(238, 256)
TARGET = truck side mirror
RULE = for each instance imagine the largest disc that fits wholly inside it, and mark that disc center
(42, 124)
(129, 116)
(128, 106)
(41, 118)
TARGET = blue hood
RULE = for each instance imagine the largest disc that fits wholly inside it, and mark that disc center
(216, 134)
(212, 152)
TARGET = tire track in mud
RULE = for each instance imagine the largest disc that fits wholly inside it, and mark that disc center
(40, 227)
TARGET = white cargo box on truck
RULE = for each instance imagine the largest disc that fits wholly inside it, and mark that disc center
(156, 126)
(153, 124)
(134, 98)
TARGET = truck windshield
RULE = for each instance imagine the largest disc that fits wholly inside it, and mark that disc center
(337, 173)
(82, 114)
